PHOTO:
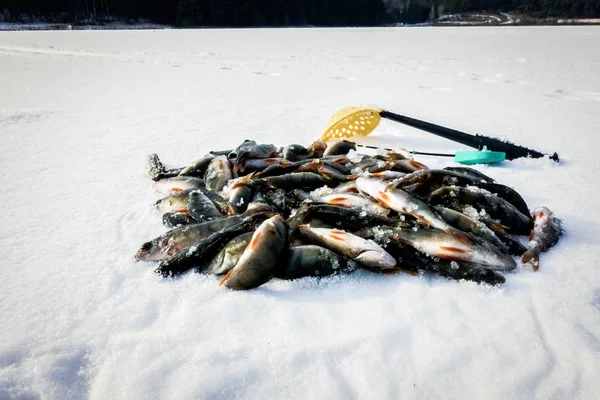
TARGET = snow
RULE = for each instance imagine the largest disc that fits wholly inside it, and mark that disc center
(81, 110)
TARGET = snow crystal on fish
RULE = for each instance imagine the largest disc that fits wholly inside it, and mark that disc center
(354, 156)
(320, 192)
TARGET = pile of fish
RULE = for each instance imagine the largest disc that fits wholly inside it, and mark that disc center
(257, 212)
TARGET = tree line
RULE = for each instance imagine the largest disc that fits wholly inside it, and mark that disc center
(242, 13)
(533, 8)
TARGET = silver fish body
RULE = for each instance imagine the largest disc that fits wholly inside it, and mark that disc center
(351, 200)
(441, 244)
(363, 251)
(403, 202)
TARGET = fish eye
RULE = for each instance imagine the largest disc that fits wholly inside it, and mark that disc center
(147, 246)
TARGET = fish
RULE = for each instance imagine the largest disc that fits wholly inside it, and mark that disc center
(412, 260)
(295, 180)
(176, 202)
(350, 200)
(458, 198)
(471, 172)
(512, 243)
(466, 223)
(172, 242)
(177, 184)
(219, 202)
(250, 150)
(201, 208)
(438, 243)
(282, 168)
(261, 257)
(398, 153)
(310, 260)
(403, 202)
(227, 258)
(197, 168)
(321, 164)
(259, 164)
(507, 193)
(177, 219)
(339, 148)
(386, 212)
(296, 152)
(365, 252)
(387, 175)
(216, 153)
(317, 149)
(425, 182)
(470, 272)
(200, 253)
(547, 229)
(218, 173)
(154, 166)
(342, 218)
(346, 187)
(241, 195)
(398, 165)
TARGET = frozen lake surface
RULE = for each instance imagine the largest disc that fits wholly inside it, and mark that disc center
(80, 111)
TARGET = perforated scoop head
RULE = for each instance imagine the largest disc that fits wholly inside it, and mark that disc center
(351, 121)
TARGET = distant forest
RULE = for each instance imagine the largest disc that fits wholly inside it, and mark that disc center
(244, 13)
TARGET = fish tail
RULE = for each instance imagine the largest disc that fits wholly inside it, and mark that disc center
(531, 258)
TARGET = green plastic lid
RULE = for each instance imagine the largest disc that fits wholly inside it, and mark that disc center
(479, 157)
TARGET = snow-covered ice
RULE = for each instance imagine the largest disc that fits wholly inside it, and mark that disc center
(80, 111)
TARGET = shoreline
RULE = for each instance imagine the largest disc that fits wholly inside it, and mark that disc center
(477, 20)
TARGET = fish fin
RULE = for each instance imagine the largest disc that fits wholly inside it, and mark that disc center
(226, 276)
(337, 235)
(244, 180)
(398, 239)
(461, 236)
(531, 259)
(454, 249)
(417, 164)
(384, 198)
(498, 228)
(183, 211)
(176, 190)
(230, 210)
(353, 177)
(421, 219)
(254, 242)
(339, 201)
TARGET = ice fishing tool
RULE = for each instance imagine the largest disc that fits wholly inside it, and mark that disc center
(360, 121)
